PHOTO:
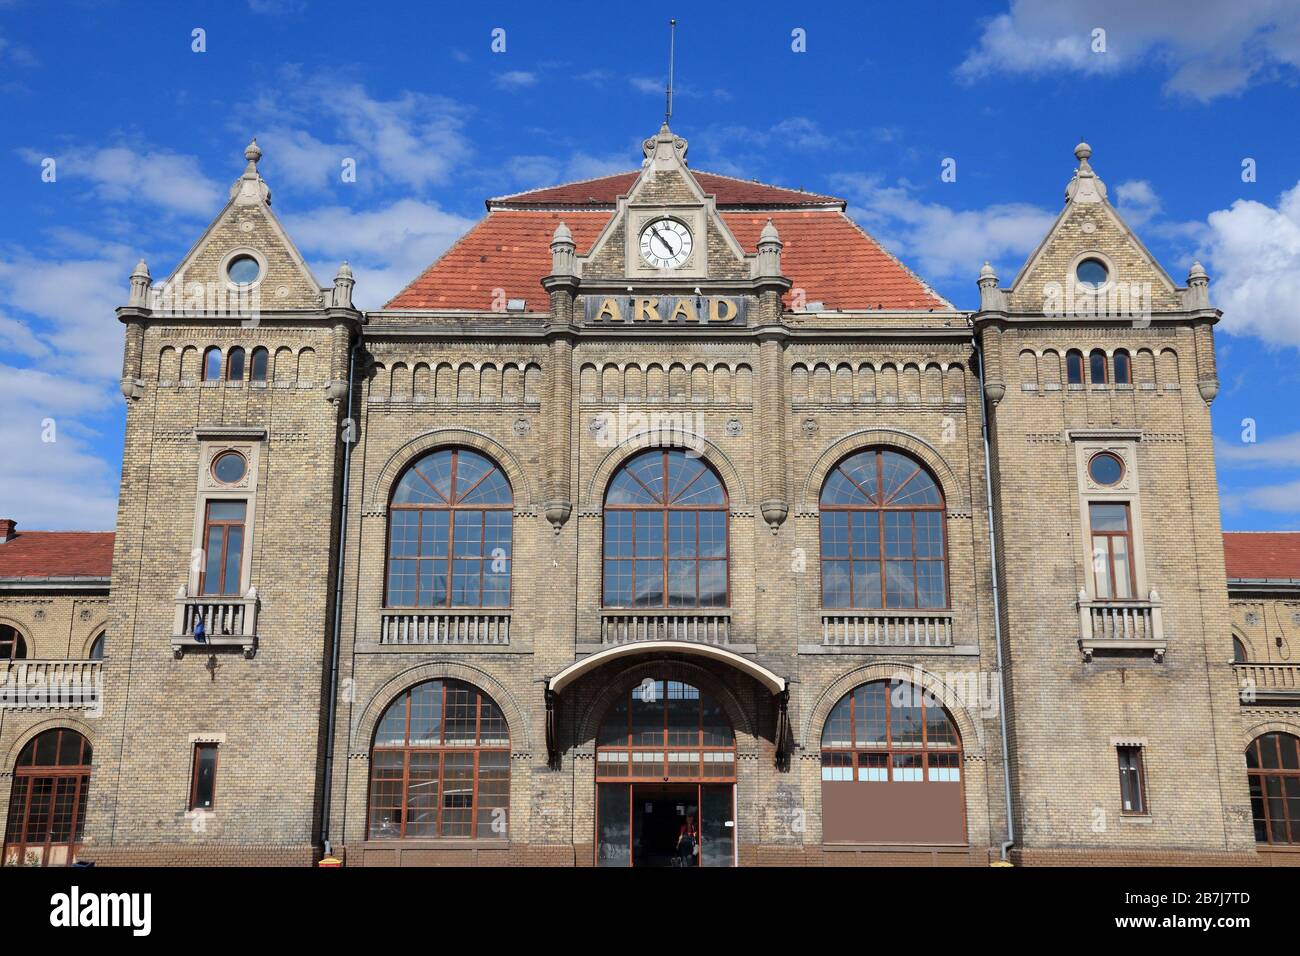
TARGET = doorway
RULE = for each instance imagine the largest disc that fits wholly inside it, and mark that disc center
(642, 824)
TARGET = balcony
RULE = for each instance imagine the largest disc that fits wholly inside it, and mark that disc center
(1121, 627)
(228, 621)
(887, 628)
(1268, 683)
(51, 685)
(445, 627)
(694, 625)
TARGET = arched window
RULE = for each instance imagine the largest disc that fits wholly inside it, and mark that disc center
(1074, 367)
(666, 533)
(665, 764)
(890, 750)
(449, 533)
(212, 364)
(882, 534)
(47, 806)
(97, 648)
(440, 765)
(12, 645)
(1097, 367)
(257, 367)
(1273, 769)
(1123, 368)
(235, 365)
(1239, 655)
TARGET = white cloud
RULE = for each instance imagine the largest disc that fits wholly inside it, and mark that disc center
(1208, 48)
(939, 241)
(537, 170)
(1283, 451)
(1282, 498)
(1253, 253)
(516, 79)
(1137, 202)
(386, 247)
(645, 84)
(119, 174)
(413, 140)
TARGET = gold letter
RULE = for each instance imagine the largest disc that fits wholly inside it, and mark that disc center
(646, 310)
(685, 307)
(717, 314)
(609, 306)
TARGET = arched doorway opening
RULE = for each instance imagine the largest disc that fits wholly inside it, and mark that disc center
(665, 778)
(47, 806)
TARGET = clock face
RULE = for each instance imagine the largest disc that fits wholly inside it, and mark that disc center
(665, 243)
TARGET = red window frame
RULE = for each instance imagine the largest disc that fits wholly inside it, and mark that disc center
(672, 742)
(451, 506)
(1132, 780)
(1107, 537)
(225, 524)
(23, 830)
(835, 755)
(200, 748)
(666, 508)
(13, 646)
(1275, 788)
(440, 751)
(876, 503)
(1074, 367)
(1097, 360)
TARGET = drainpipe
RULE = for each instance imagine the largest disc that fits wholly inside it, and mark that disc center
(338, 606)
(997, 601)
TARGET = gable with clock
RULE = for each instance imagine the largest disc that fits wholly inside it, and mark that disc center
(666, 229)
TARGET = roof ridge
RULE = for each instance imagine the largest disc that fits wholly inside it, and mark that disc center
(573, 182)
(751, 182)
(813, 197)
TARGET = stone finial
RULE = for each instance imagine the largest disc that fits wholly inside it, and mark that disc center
(250, 188)
(140, 283)
(991, 298)
(343, 283)
(1197, 295)
(664, 149)
(769, 252)
(563, 248)
(1085, 187)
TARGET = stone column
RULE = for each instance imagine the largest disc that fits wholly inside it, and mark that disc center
(770, 403)
(133, 351)
(561, 285)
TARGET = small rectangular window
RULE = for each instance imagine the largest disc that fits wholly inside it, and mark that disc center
(203, 777)
(1132, 781)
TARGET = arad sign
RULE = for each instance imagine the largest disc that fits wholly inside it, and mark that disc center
(665, 309)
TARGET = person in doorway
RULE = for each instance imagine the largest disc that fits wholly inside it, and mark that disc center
(688, 842)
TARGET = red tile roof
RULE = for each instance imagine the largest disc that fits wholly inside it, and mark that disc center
(57, 554)
(825, 254)
(1272, 555)
(727, 190)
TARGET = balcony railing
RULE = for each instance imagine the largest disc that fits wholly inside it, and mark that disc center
(695, 625)
(1109, 626)
(228, 621)
(1268, 683)
(45, 685)
(445, 626)
(887, 628)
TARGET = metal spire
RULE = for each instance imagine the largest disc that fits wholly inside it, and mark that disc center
(672, 51)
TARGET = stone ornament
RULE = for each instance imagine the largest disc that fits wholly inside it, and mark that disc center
(734, 427)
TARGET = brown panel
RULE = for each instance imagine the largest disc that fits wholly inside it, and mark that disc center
(893, 812)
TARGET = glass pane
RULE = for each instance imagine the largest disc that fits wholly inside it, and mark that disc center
(898, 534)
(457, 794)
(493, 795)
(614, 831)
(871, 701)
(906, 717)
(837, 731)
(235, 365)
(835, 534)
(648, 713)
(422, 795)
(896, 472)
(649, 534)
(835, 584)
(392, 726)
(713, 534)
(649, 584)
(234, 555)
(866, 584)
(212, 561)
(226, 510)
(205, 777)
(717, 826)
(1108, 517)
(258, 373)
(426, 714)
(618, 584)
(861, 469)
(461, 719)
(1123, 584)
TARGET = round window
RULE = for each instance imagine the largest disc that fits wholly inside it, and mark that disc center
(229, 467)
(243, 270)
(1106, 469)
(1091, 273)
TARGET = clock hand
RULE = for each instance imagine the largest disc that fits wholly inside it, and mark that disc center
(666, 244)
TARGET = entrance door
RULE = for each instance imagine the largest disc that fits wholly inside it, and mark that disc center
(665, 762)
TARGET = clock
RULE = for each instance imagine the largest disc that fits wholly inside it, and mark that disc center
(665, 243)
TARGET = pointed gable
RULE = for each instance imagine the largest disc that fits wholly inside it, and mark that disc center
(1089, 227)
(246, 226)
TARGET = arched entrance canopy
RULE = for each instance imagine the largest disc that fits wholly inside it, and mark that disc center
(773, 682)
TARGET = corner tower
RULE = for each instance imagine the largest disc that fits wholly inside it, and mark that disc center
(1098, 375)
(235, 374)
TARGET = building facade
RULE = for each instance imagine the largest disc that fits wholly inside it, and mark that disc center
(667, 519)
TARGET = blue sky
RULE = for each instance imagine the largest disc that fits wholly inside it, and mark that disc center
(147, 136)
